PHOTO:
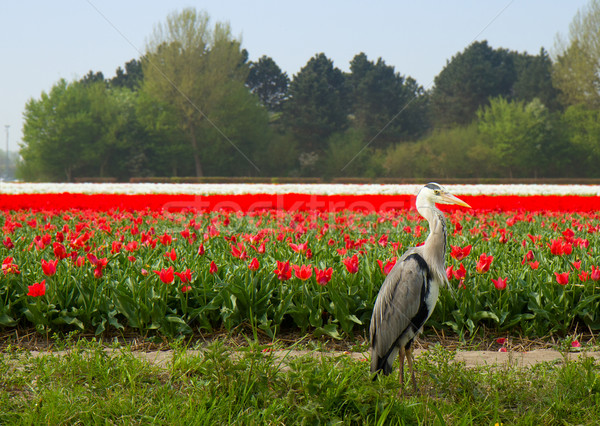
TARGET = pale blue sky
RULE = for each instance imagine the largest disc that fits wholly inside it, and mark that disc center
(43, 41)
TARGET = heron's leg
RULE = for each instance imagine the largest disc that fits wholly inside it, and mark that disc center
(401, 354)
(410, 359)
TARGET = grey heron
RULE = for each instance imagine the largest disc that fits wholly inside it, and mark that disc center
(410, 291)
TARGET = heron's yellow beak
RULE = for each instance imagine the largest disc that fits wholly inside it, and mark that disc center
(451, 199)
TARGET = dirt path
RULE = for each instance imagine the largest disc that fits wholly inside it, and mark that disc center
(469, 358)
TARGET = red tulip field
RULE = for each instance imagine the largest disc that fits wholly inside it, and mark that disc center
(178, 264)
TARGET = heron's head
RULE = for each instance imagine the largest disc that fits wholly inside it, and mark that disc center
(434, 193)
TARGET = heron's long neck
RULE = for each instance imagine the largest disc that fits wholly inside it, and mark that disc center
(435, 245)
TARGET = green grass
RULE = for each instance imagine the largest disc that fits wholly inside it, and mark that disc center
(88, 385)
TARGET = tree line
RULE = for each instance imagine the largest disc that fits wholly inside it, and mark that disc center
(195, 105)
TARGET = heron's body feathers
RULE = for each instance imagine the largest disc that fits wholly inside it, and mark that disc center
(405, 301)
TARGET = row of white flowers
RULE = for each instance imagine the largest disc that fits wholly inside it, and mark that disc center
(318, 189)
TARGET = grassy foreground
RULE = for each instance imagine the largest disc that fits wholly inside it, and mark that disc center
(89, 384)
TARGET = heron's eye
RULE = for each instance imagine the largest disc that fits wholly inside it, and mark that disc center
(436, 191)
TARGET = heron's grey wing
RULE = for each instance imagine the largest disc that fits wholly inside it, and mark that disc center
(397, 303)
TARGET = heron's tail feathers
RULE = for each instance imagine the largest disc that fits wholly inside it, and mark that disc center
(382, 364)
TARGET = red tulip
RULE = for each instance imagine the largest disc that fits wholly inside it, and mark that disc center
(213, 267)
(165, 239)
(185, 276)
(98, 263)
(171, 254)
(595, 273)
(239, 251)
(450, 272)
(584, 276)
(211, 232)
(186, 288)
(568, 234)
(484, 263)
(59, 250)
(460, 253)
(303, 272)
(534, 238)
(562, 278)
(8, 267)
(534, 265)
(299, 248)
(500, 283)
(383, 240)
(98, 272)
(461, 273)
(131, 246)
(503, 238)
(254, 264)
(388, 266)
(528, 257)
(201, 250)
(37, 289)
(567, 248)
(187, 235)
(261, 248)
(323, 276)
(283, 271)
(116, 247)
(556, 247)
(351, 264)
(49, 267)
(8, 243)
(166, 275)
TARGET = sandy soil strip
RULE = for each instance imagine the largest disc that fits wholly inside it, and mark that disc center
(469, 358)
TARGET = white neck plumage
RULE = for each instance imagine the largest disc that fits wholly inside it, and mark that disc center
(434, 248)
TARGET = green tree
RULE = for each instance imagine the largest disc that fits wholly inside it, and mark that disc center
(347, 156)
(282, 155)
(576, 71)
(195, 71)
(520, 135)
(317, 105)
(167, 145)
(268, 82)
(70, 131)
(130, 150)
(385, 105)
(457, 152)
(581, 129)
(131, 77)
(534, 79)
(93, 77)
(468, 80)
(244, 121)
